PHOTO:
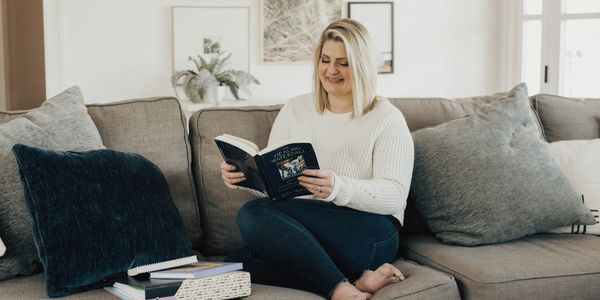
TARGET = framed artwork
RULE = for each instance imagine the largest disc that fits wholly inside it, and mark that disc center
(206, 31)
(290, 28)
(378, 17)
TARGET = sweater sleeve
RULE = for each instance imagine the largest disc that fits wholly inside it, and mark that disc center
(393, 159)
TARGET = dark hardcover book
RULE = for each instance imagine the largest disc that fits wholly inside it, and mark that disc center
(146, 288)
(273, 170)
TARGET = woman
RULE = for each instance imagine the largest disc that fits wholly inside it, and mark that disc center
(330, 243)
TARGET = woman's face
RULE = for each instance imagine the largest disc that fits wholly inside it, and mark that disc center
(334, 71)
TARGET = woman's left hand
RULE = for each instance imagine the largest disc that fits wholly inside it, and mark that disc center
(318, 182)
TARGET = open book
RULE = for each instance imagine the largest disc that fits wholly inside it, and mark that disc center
(273, 170)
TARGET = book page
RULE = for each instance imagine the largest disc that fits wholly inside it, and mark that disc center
(245, 145)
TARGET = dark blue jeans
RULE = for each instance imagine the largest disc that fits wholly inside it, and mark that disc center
(311, 245)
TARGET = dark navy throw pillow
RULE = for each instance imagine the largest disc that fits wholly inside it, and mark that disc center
(96, 214)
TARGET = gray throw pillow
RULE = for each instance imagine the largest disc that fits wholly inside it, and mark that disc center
(489, 177)
(60, 123)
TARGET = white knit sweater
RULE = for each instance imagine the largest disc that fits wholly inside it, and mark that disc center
(372, 156)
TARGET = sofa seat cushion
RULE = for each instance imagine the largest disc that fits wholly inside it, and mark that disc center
(421, 282)
(543, 266)
(34, 287)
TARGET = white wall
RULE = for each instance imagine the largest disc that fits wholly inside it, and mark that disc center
(120, 49)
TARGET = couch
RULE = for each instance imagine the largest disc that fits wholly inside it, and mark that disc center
(542, 266)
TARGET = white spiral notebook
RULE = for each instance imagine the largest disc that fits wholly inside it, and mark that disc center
(162, 265)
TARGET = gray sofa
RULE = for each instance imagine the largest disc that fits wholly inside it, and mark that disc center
(543, 266)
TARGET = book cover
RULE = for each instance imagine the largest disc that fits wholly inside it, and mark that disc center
(145, 288)
(198, 270)
(244, 162)
(273, 170)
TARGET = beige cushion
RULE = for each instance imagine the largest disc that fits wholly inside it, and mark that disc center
(154, 128)
(219, 205)
(421, 283)
(428, 112)
(544, 266)
(34, 287)
(568, 118)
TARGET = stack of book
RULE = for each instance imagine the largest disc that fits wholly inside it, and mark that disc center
(199, 280)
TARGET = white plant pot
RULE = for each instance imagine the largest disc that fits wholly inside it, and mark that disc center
(220, 93)
(209, 97)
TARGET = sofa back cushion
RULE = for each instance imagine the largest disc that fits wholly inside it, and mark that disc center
(429, 112)
(60, 123)
(568, 118)
(219, 204)
(156, 129)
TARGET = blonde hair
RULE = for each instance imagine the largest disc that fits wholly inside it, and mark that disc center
(361, 59)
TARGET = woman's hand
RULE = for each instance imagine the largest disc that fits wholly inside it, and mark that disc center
(230, 177)
(318, 182)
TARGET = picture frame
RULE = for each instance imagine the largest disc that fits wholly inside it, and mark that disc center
(378, 18)
(289, 29)
(206, 30)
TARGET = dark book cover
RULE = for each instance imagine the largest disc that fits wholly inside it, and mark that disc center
(274, 172)
(152, 287)
(282, 166)
(244, 163)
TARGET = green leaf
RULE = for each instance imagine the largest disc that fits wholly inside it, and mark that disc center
(222, 63)
(211, 74)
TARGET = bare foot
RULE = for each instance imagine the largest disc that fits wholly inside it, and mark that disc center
(371, 281)
(347, 291)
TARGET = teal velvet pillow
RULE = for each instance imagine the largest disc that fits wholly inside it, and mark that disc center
(96, 214)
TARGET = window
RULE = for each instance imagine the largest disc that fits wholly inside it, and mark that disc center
(560, 47)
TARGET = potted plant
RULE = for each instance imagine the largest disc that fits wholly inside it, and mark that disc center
(211, 79)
